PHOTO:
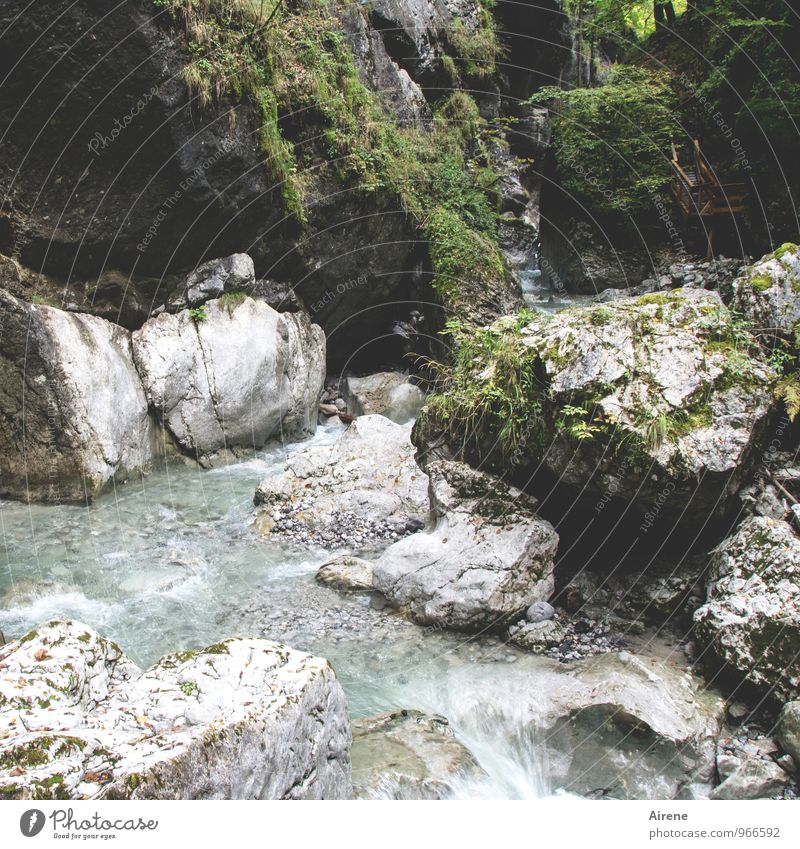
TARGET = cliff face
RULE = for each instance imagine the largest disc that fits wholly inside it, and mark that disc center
(128, 154)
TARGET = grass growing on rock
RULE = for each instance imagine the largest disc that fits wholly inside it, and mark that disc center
(498, 396)
(490, 392)
(317, 116)
(475, 51)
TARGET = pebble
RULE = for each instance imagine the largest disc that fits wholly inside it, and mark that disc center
(345, 529)
(585, 638)
(540, 612)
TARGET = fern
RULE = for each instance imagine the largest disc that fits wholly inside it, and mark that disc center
(788, 391)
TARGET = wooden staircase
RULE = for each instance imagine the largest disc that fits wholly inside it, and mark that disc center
(697, 191)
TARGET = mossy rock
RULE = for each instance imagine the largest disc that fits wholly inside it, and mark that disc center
(659, 391)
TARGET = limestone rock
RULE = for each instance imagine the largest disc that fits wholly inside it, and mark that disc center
(751, 620)
(659, 401)
(615, 725)
(483, 559)
(75, 415)
(768, 293)
(612, 706)
(346, 574)
(748, 778)
(664, 372)
(231, 274)
(232, 377)
(540, 611)
(408, 755)
(390, 394)
(538, 636)
(370, 471)
(243, 719)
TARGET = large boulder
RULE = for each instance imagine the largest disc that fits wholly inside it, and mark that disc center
(242, 719)
(614, 706)
(231, 374)
(768, 293)
(73, 409)
(483, 559)
(615, 725)
(658, 400)
(389, 393)
(407, 754)
(751, 620)
(369, 471)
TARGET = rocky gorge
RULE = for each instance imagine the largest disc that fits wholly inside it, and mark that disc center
(308, 492)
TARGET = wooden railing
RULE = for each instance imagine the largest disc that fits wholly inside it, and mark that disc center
(697, 190)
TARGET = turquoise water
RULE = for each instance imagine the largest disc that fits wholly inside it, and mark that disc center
(172, 562)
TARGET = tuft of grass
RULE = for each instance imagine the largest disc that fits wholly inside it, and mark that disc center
(231, 300)
(475, 51)
(491, 396)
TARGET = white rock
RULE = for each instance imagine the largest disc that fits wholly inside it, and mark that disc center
(481, 562)
(658, 401)
(346, 574)
(243, 719)
(768, 293)
(407, 754)
(614, 725)
(389, 393)
(234, 379)
(75, 415)
(370, 470)
(751, 620)
(748, 778)
(540, 611)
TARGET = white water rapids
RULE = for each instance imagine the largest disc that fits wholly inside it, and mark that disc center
(172, 562)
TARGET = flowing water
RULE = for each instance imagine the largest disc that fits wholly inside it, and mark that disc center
(539, 296)
(172, 562)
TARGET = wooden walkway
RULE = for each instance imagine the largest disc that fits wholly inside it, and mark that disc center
(697, 191)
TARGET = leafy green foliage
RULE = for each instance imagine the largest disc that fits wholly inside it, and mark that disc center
(579, 423)
(476, 52)
(788, 390)
(611, 143)
(490, 395)
(198, 314)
